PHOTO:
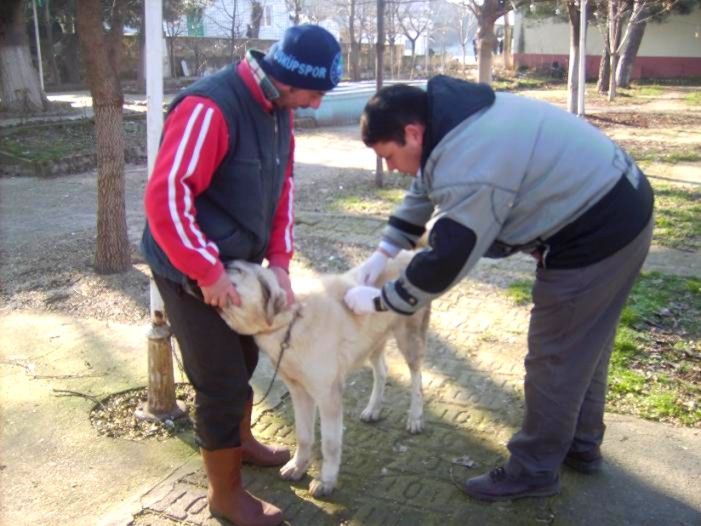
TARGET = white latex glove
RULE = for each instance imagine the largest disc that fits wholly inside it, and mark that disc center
(371, 268)
(361, 299)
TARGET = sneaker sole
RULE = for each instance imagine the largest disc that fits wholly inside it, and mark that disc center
(543, 492)
(587, 468)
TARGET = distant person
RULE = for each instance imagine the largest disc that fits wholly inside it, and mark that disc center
(222, 189)
(552, 186)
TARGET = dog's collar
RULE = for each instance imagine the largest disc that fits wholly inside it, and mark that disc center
(283, 346)
(288, 334)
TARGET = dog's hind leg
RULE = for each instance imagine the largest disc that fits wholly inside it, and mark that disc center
(331, 413)
(411, 341)
(371, 413)
(305, 413)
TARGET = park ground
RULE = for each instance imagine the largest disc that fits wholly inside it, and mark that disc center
(72, 338)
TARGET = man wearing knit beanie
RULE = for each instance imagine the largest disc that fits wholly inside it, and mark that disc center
(221, 189)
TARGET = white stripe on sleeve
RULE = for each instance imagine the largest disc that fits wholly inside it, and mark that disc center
(290, 219)
(187, 199)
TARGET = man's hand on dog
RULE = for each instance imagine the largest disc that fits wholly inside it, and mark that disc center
(361, 300)
(283, 279)
(221, 292)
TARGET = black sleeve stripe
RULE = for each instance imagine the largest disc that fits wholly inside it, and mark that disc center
(391, 306)
(405, 226)
(451, 245)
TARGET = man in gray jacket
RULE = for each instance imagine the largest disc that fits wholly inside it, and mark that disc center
(498, 174)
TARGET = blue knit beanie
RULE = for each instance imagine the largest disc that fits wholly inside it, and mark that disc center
(307, 57)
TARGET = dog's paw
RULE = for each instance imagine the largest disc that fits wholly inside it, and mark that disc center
(370, 415)
(291, 471)
(415, 425)
(319, 488)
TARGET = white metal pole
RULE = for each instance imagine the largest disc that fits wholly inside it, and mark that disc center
(154, 99)
(161, 404)
(582, 56)
(36, 35)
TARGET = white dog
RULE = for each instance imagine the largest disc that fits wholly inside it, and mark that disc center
(324, 341)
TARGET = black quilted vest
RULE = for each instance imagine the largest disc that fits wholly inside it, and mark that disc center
(236, 211)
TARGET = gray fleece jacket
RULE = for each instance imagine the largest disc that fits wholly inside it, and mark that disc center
(511, 177)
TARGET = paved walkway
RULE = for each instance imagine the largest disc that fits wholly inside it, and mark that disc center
(472, 385)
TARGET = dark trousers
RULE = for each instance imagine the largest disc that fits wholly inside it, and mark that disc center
(570, 339)
(218, 362)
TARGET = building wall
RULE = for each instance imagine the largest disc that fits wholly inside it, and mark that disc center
(217, 18)
(670, 49)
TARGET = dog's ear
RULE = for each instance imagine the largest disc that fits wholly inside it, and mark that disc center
(276, 304)
(274, 298)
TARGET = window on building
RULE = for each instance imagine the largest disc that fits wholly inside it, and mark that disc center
(267, 16)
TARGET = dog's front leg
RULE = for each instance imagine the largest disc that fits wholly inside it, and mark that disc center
(371, 413)
(412, 345)
(415, 419)
(305, 412)
(331, 413)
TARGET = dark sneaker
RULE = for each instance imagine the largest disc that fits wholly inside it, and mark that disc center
(499, 485)
(586, 462)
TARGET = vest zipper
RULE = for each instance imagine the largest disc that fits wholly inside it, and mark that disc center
(277, 146)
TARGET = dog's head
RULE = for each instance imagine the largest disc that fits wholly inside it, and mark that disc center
(262, 299)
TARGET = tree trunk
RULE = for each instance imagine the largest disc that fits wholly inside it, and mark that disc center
(485, 44)
(615, 24)
(50, 53)
(355, 61)
(636, 31)
(604, 66)
(612, 77)
(573, 71)
(380, 77)
(70, 58)
(102, 64)
(486, 39)
(141, 62)
(256, 18)
(112, 251)
(354, 57)
(508, 58)
(171, 58)
(21, 90)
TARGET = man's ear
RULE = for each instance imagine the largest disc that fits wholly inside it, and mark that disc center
(414, 134)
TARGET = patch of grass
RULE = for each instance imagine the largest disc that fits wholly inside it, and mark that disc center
(56, 141)
(667, 81)
(368, 200)
(677, 216)
(649, 91)
(655, 368)
(520, 291)
(47, 142)
(668, 155)
(693, 98)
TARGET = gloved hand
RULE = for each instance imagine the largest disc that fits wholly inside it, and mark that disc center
(371, 268)
(361, 300)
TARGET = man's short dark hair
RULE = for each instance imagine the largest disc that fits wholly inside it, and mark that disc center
(390, 110)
